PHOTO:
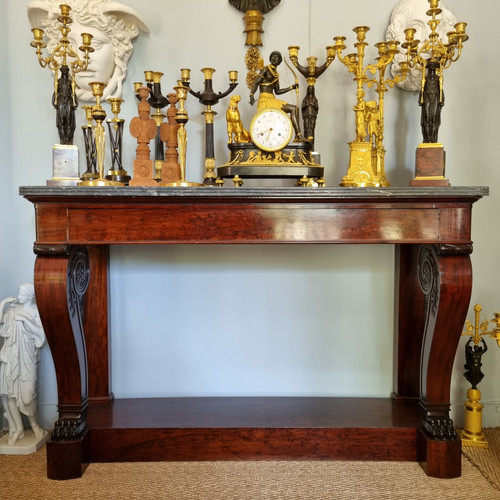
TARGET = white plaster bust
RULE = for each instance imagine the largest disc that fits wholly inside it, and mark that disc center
(23, 335)
(412, 14)
(113, 26)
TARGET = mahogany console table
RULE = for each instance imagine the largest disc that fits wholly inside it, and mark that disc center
(431, 231)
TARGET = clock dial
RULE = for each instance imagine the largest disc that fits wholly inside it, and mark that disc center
(271, 129)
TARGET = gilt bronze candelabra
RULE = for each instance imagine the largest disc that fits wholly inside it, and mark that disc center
(366, 164)
(472, 434)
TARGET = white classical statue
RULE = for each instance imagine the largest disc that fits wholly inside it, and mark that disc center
(113, 27)
(412, 14)
(23, 335)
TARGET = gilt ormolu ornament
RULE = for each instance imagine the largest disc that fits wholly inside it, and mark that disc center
(143, 128)
(254, 11)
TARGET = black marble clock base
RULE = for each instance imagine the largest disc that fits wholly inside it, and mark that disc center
(294, 161)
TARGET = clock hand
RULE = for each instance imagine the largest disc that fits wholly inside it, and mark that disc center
(264, 131)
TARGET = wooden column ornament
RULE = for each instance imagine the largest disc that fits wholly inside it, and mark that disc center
(143, 128)
(168, 134)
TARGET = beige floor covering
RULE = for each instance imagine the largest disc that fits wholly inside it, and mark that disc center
(24, 477)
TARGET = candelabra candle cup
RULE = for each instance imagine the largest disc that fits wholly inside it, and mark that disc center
(116, 103)
(233, 76)
(330, 52)
(361, 32)
(185, 75)
(339, 43)
(157, 76)
(38, 42)
(208, 73)
(293, 51)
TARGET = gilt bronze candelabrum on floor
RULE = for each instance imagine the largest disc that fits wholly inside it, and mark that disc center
(473, 434)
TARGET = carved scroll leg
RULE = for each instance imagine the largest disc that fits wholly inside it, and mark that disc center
(61, 280)
(445, 275)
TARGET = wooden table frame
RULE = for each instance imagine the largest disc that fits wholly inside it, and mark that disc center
(431, 231)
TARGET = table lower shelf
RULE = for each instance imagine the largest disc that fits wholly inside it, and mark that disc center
(247, 428)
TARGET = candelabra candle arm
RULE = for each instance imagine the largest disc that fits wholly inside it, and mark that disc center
(232, 86)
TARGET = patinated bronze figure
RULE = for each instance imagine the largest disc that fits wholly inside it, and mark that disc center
(473, 354)
(269, 87)
(431, 100)
(65, 101)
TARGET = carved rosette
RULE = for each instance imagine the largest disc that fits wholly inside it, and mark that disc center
(78, 280)
(428, 275)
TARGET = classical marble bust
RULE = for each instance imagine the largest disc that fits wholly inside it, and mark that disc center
(412, 14)
(113, 26)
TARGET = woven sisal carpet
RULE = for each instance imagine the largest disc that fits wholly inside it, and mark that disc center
(24, 477)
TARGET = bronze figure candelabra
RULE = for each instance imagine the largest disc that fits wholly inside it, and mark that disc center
(432, 57)
(366, 164)
(209, 98)
(310, 104)
(65, 62)
(472, 434)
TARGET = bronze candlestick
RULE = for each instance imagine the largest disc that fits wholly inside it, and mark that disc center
(99, 115)
(115, 128)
